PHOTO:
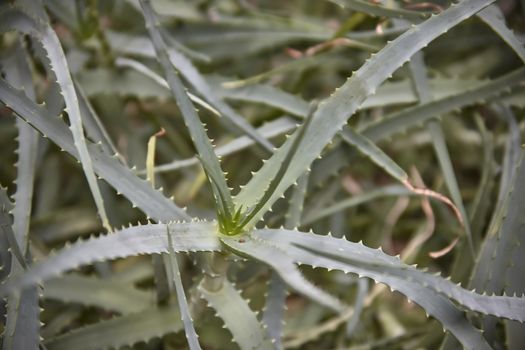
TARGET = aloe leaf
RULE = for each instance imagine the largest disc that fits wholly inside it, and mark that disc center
(495, 19)
(413, 116)
(499, 263)
(208, 158)
(401, 92)
(481, 205)
(5, 224)
(342, 255)
(495, 252)
(359, 256)
(273, 316)
(141, 46)
(124, 82)
(261, 93)
(7, 236)
(271, 129)
(138, 191)
(256, 212)
(24, 335)
(514, 331)
(145, 239)
(22, 318)
(247, 42)
(6, 205)
(240, 320)
(174, 274)
(276, 257)
(296, 204)
(393, 190)
(144, 70)
(491, 244)
(94, 127)
(297, 65)
(23, 312)
(91, 291)
(369, 149)
(7, 230)
(13, 19)
(18, 72)
(274, 308)
(333, 113)
(102, 81)
(362, 291)
(406, 338)
(120, 331)
(192, 75)
(380, 11)
(512, 151)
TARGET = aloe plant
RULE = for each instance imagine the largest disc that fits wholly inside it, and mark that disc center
(276, 274)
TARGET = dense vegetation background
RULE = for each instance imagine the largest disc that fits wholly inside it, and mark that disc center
(426, 168)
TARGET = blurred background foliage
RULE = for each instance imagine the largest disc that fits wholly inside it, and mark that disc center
(260, 55)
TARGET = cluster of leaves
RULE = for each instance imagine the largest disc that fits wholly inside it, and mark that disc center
(97, 80)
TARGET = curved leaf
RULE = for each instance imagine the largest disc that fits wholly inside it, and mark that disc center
(13, 19)
(394, 190)
(192, 75)
(277, 258)
(145, 239)
(369, 263)
(139, 192)
(120, 331)
(333, 113)
(237, 316)
(410, 117)
(209, 160)
(362, 258)
(174, 275)
(91, 291)
(494, 18)
(23, 312)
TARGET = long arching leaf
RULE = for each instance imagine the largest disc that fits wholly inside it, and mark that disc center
(247, 331)
(145, 239)
(139, 192)
(333, 113)
(13, 19)
(367, 263)
(120, 331)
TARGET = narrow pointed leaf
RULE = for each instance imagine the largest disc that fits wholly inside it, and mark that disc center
(237, 316)
(333, 113)
(283, 264)
(494, 18)
(200, 139)
(92, 291)
(23, 312)
(120, 331)
(192, 75)
(410, 117)
(342, 255)
(174, 272)
(138, 191)
(136, 240)
(379, 264)
(13, 19)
